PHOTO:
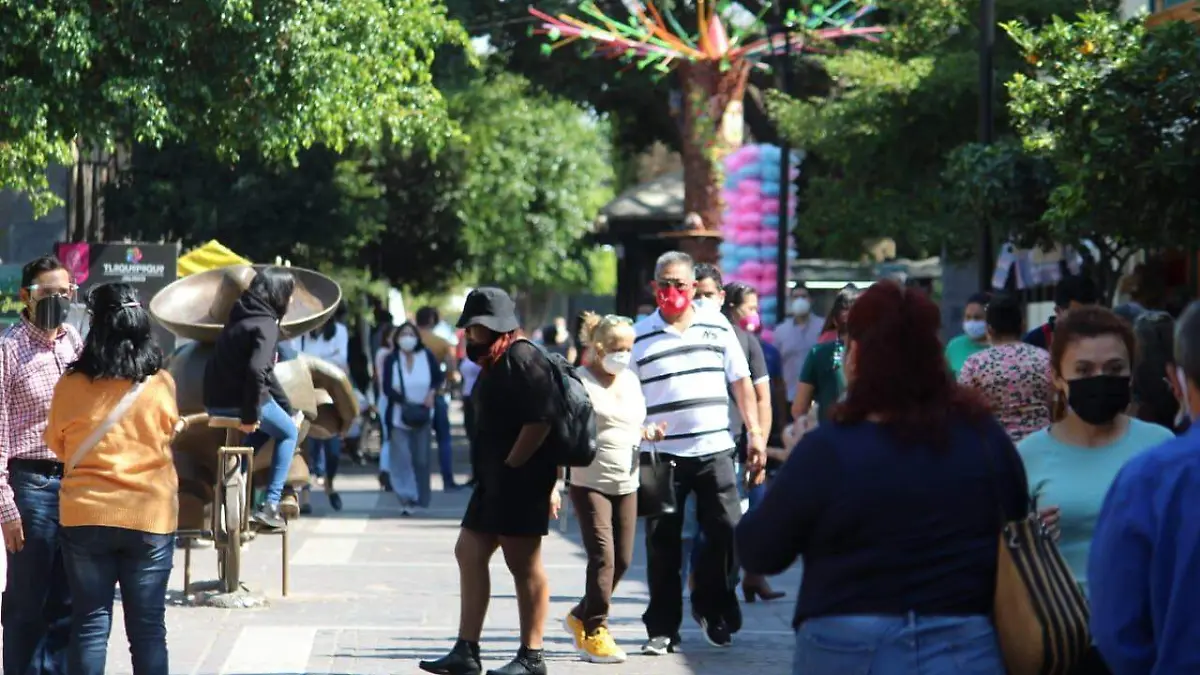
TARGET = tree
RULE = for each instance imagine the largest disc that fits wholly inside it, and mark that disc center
(267, 77)
(1114, 107)
(322, 210)
(507, 202)
(880, 141)
(537, 171)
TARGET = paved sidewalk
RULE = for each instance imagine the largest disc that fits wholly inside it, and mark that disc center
(373, 592)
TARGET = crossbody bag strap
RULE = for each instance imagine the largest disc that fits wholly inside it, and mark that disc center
(101, 431)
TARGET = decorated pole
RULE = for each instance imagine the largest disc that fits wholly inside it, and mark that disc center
(713, 66)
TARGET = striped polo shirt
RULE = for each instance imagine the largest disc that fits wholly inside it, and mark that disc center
(685, 380)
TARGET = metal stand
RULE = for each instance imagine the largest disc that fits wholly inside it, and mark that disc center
(229, 527)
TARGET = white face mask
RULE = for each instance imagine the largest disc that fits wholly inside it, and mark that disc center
(801, 307)
(976, 330)
(407, 343)
(702, 303)
(615, 362)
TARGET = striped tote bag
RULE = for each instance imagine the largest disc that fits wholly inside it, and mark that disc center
(1041, 614)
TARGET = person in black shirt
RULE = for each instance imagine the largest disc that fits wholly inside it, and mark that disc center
(240, 377)
(1072, 292)
(896, 507)
(515, 495)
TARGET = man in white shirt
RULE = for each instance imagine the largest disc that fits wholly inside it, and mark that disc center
(796, 337)
(688, 361)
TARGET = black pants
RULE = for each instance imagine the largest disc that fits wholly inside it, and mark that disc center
(712, 480)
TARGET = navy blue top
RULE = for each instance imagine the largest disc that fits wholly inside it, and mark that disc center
(886, 527)
(1144, 571)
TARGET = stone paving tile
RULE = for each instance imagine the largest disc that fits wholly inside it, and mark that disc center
(373, 593)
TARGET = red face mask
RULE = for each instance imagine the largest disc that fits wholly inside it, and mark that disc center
(671, 301)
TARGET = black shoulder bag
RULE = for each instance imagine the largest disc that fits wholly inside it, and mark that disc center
(413, 415)
(656, 484)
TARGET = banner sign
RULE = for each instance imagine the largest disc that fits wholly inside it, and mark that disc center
(147, 267)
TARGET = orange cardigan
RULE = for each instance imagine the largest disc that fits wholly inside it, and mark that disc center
(128, 479)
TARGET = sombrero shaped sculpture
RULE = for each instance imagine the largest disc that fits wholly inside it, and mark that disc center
(196, 307)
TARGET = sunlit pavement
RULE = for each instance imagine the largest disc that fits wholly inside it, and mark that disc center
(374, 592)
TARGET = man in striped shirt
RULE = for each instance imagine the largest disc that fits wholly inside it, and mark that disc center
(688, 360)
(33, 355)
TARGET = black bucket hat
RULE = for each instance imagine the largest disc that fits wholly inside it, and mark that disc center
(491, 308)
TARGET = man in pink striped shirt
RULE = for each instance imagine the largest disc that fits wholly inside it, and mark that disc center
(36, 610)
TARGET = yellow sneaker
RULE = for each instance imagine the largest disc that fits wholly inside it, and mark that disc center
(599, 647)
(574, 627)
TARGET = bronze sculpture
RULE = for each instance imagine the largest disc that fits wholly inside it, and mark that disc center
(195, 308)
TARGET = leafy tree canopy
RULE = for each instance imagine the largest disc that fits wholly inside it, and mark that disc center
(1114, 108)
(507, 202)
(266, 76)
(538, 170)
(880, 140)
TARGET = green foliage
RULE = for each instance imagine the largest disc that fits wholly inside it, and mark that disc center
(538, 171)
(1002, 185)
(507, 203)
(1114, 108)
(268, 77)
(881, 139)
(318, 212)
(602, 262)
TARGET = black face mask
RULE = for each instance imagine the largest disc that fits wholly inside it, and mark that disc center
(1099, 399)
(51, 312)
(476, 351)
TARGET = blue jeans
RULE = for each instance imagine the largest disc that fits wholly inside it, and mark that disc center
(273, 422)
(897, 645)
(37, 602)
(441, 427)
(324, 456)
(100, 558)
(409, 465)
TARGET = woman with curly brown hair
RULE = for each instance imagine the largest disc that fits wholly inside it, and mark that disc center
(895, 506)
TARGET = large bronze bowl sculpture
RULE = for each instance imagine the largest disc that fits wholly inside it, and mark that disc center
(196, 308)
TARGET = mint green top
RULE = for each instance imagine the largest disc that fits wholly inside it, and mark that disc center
(1076, 479)
(959, 350)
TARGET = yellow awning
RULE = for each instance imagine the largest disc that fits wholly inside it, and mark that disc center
(210, 256)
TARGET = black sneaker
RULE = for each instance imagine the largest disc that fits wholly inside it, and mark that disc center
(716, 632)
(527, 662)
(269, 518)
(661, 646)
(335, 501)
(385, 481)
(463, 659)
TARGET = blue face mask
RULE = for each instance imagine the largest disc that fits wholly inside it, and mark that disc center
(976, 330)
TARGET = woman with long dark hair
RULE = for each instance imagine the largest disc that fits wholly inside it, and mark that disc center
(835, 321)
(895, 505)
(411, 379)
(1156, 388)
(515, 495)
(240, 375)
(111, 422)
(822, 380)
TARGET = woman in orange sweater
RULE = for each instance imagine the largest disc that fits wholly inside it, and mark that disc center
(111, 422)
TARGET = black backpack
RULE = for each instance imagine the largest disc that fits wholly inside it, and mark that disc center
(572, 437)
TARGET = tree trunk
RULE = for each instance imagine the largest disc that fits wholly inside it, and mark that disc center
(710, 96)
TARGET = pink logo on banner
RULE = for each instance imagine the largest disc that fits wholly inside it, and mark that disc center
(77, 258)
